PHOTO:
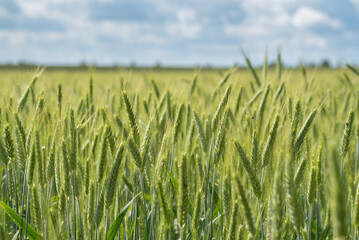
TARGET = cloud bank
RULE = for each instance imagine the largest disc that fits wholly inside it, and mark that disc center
(177, 32)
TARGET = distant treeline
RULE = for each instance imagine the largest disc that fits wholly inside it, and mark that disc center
(85, 67)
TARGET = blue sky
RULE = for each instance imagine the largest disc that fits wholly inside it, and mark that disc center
(186, 32)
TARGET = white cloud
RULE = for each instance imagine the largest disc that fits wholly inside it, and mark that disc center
(261, 26)
(59, 10)
(356, 4)
(269, 7)
(308, 17)
(130, 32)
(79, 28)
(17, 38)
(270, 23)
(180, 31)
(32, 8)
(186, 15)
(3, 12)
(246, 30)
(186, 25)
(310, 40)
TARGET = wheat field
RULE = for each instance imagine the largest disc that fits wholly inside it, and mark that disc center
(235, 153)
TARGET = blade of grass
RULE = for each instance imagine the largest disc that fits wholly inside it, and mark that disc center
(32, 233)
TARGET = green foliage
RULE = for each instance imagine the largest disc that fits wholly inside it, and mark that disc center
(31, 232)
(293, 173)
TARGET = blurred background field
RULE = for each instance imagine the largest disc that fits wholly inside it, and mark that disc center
(75, 80)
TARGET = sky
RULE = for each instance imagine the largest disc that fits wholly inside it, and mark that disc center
(178, 32)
